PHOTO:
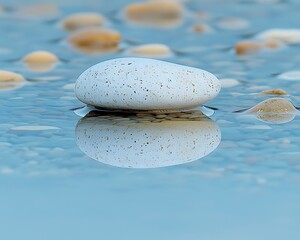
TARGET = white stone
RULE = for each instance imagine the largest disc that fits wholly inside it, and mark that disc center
(288, 36)
(291, 75)
(145, 84)
(146, 145)
(229, 82)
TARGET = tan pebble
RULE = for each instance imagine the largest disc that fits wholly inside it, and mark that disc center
(151, 50)
(274, 110)
(38, 10)
(248, 48)
(10, 80)
(201, 28)
(274, 92)
(39, 57)
(273, 44)
(6, 76)
(159, 13)
(99, 37)
(80, 20)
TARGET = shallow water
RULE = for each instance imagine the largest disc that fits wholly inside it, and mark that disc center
(247, 188)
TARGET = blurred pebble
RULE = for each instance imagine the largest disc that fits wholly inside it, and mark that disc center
(202, 15)
(233, 23)
(80, 20)
(91, 40)
(201, 28)
(38, 11)
(39, 57)
(287, 36)
(33, 128)
(274, 92)
(162, 13)
(152, 50)
(291, 75)
(10, 80)
(248, 48)
(229, 82)
(69, 86)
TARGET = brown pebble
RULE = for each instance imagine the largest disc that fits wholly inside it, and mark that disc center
(201, 28)
(92, 37)
(274, 92)
(40, 57)
(248, 48)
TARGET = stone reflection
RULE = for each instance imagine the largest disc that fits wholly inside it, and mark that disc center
(147, 140)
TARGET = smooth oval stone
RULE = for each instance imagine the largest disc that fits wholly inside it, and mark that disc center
(287, 36)
(10, 80)
(146, 144)
(274, 111)
(152, 50)
(145, 84)
(80, 20)
(40, 57)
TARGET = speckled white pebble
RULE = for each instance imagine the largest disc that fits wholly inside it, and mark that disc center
(145, 84)
(146, 145)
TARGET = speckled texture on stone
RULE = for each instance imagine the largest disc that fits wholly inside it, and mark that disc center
(146, 145)
(145, 84)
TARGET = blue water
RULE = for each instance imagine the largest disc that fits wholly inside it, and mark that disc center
(247, 188)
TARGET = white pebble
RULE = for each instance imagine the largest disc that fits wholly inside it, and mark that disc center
(288, 36)
(145, 84)
(229, 82)
(291, 75)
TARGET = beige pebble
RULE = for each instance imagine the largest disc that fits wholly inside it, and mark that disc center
(273, 44)
(201, 28)
(290, 75)
(95, 37)
(248, 48)
(229, 82)
(80, 20)
(158, 13)
(38, 10)
(274, 110)
(274, 92)
(153, 50)
(233, 23)
(40, 57)
(10, 80)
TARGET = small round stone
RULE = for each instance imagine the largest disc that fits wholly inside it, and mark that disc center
(229, 82)
(233, 23)
(155, 13)
(145, 84)
(10, 80)
(291, 75)
(274, 110)
(201, 28)
(80, 20)
(40, 57)
(248, 48)
(274, 92)
(151, 50)
(287, 36)
(95, 37)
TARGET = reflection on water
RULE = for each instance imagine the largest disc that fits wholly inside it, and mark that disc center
(146, 140)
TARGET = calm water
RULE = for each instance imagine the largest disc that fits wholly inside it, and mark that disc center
(247, 188)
